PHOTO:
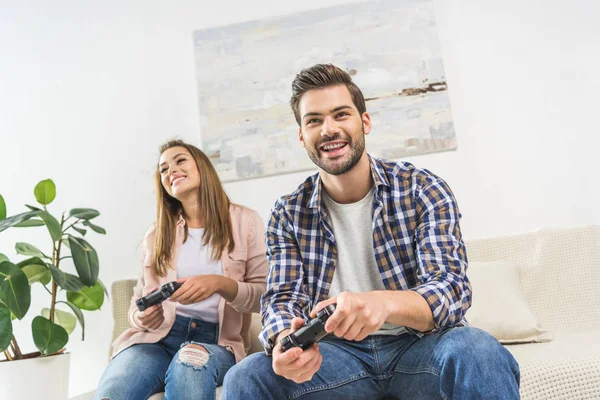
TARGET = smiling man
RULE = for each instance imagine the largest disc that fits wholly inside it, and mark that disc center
(382, 241)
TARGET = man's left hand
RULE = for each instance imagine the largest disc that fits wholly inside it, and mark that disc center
(197, 288)
(356, 315)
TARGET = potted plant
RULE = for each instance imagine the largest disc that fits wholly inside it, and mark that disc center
(68, 294)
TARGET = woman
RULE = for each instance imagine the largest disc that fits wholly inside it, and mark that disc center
(216, 251)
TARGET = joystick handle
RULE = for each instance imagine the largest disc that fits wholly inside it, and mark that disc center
(157, 296)
(310, 333)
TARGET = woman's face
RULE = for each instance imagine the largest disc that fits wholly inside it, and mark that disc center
(178, 172)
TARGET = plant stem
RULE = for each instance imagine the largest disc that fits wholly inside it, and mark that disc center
(16, 357)
(61, 224)
(53, 303)
(7, 355)
(16, 348)
(56, 262)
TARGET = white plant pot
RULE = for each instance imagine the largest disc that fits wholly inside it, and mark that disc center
(35, 378)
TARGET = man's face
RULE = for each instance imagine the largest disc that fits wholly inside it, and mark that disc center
(332, 130)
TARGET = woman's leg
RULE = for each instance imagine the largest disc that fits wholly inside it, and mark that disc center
(196, 371)
(136, 373)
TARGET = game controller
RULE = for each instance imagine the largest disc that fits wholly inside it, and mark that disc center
(310, 333)
(157, 296)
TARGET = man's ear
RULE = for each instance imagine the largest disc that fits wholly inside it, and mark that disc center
(366, 120)
(300, 137)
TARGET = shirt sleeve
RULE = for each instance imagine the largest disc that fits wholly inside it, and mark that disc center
(441, 255)
(285, 297)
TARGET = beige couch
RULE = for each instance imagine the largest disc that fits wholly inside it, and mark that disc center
(560, 278)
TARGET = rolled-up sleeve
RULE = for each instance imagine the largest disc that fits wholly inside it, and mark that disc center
(441, 255)
(285, 297)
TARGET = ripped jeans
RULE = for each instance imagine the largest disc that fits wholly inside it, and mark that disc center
(142, 370)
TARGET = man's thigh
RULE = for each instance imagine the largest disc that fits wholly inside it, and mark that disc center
(344, 372)
(456, 360)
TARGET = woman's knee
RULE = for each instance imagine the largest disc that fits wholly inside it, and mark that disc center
(194, 356)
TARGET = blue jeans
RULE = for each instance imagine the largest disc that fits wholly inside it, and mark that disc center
(144, 369)
(457, 363)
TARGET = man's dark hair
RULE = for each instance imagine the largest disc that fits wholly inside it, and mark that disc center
(320, 76)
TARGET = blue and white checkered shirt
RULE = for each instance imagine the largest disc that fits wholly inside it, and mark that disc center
(416, 239)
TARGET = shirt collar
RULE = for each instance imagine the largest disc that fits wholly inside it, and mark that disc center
(377, 172)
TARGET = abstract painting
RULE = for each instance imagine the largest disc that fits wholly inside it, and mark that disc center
(390, 48)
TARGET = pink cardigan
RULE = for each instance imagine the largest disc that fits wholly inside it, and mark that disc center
(247, 265)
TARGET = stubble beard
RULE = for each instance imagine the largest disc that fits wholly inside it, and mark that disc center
(333, 167)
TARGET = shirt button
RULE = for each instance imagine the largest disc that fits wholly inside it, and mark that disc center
(193, 324)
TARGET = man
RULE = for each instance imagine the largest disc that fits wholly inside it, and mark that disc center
(381, 240)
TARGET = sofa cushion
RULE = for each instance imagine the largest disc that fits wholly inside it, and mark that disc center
(566, 368)
(559, 272)
(499, 306)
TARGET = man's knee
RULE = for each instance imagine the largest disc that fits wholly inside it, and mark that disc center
(249, 366)
(473, 345)
(255, 366)
(249, 378)
(193, 355)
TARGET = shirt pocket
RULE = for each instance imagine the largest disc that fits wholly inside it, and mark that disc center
(235, 264)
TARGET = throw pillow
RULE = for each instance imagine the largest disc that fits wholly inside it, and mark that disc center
(499, 306)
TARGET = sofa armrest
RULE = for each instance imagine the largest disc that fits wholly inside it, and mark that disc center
(121, 292)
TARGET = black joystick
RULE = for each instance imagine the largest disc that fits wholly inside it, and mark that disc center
(309, 333)
(157, 296)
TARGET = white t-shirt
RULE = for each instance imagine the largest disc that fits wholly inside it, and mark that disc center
(356, 269)
(195, 259)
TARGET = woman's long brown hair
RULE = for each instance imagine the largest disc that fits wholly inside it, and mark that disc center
(214, 212)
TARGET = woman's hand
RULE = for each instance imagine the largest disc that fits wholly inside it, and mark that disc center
(200, 287)
(152, 317)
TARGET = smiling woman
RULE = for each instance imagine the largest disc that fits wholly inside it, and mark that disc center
(215, 250)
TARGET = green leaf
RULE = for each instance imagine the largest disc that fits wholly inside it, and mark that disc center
(45, 192)
(15, 291)
(6, 330)
(32, 208)
(27, 249)
(2, 207)
(79, 315)
(17, 219)
(103, 288)
(37, 273)
(65, 280)
(88, 298)
(48, 336)
(85, 259)
(30, 223)
(83, 213)
(82, 232)
(3, 257)
(95, 228)
(62, 318)
(30, 261)
(52, 224)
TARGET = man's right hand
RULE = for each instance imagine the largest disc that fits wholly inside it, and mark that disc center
(296, 364)
(152, 317)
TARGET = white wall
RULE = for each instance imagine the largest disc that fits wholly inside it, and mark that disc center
(89, 89)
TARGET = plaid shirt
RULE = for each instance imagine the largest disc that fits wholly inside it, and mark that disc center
(416, 239)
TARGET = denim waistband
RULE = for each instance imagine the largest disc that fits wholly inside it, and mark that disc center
(197, 324)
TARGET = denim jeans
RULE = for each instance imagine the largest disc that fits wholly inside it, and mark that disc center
(144, 369)
(457, 363)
